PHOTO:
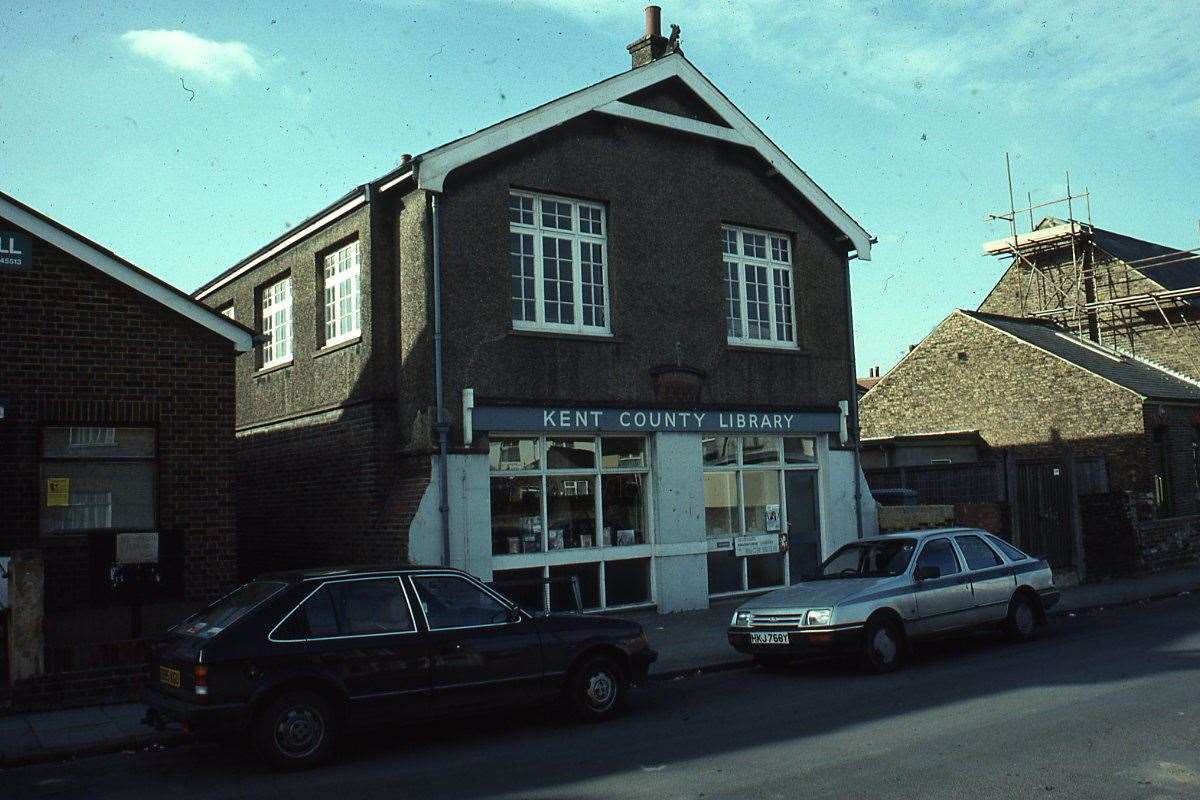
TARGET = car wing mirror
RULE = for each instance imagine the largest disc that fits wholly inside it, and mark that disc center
(515, 615)
(927, 573)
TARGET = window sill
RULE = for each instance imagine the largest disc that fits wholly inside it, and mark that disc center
(342, 345)
(783, 350)
(575, 337)
(274, 368)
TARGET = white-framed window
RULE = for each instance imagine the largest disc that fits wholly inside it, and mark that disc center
(757, 485)
(277, 322)
(558, 264)
(571, 506)
(759, 287)
(229, 311)
(343, 295)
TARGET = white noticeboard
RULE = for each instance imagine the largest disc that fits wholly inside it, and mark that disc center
(137, 548)
(756, 545)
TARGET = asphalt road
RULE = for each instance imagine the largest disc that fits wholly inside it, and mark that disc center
(1102, 705)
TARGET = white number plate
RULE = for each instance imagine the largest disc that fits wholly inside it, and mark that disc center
(769, 638)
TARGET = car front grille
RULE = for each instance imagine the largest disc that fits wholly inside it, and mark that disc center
(776, 620)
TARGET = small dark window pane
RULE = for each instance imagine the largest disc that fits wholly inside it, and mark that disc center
(977, 553)
(724, 572)
(764, 571)
(561, 598)
(369, 606)
(523, 586)
(939, 553)
(627, 582)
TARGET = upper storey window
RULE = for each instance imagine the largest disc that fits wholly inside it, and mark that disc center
(277, 323)
(558, 264)
(759, 302)
(343, 295)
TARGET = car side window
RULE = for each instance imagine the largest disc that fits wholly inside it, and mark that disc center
(1010, 551)
(977, 553)
(453, 602)
(371, 606)
(315, 618)
(939, 553)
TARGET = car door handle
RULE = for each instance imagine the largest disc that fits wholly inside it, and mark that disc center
(457, 647)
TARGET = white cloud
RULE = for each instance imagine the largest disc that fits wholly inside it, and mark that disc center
(194, 55)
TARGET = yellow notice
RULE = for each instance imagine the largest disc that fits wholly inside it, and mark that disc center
(58, 491)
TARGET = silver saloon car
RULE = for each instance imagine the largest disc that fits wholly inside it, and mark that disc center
(875, 595)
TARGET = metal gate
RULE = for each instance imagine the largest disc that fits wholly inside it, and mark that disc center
(1044, 512)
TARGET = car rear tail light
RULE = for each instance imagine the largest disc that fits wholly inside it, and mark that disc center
(200, 679)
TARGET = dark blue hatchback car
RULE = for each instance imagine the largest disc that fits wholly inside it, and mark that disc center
(294, 658)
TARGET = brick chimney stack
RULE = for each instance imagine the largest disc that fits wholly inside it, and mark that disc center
(652, 45)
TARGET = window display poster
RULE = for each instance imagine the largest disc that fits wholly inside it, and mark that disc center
(772, 516)
(58, 492)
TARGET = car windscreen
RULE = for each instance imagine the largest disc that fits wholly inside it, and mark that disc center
(881, 559)
(229, 609)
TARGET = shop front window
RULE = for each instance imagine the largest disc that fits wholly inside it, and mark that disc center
(745, 478)
(568, 507)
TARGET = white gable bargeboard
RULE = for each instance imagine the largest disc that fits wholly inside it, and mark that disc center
(93, 256)
(606, 97)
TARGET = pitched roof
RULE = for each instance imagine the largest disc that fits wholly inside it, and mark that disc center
(1166, 266)
(1138, 375)
(430, 169)
(111, 264)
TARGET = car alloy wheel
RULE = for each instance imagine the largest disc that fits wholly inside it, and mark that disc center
(596, 688)
(1021, 623)
(601, 691)
(296, 730)
(883, 645)
(300, 731)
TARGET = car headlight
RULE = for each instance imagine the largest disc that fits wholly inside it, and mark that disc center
(818, 616)
(741, 619)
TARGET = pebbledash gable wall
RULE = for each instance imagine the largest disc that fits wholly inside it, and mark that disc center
(1016, 396)
(79, 347)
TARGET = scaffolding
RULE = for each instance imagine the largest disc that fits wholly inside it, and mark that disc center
(1063, 276)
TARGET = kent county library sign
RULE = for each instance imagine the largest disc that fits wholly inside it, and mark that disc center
(616, 420)
(15, 252)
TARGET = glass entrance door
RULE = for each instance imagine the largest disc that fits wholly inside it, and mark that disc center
(803, 523)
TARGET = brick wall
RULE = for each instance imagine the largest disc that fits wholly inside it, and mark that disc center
(1168, 543)
(105, 686)
(1110, 542)
(325, 489)
(79, 347)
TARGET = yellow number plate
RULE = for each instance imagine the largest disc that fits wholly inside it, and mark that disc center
(169, 676)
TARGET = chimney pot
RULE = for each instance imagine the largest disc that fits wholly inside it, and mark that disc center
(653, 21)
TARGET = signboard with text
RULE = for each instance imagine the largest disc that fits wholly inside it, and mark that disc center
(137, 548)
(15, 251)
(625, 420)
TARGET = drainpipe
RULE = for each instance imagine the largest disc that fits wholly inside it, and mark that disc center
(853, 427)
(440, 425)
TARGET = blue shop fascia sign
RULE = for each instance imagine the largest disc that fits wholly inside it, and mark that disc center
(15, 251)
(627, 420)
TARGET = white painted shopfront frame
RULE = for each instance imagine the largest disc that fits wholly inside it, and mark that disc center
(598, 554)
(820, 444)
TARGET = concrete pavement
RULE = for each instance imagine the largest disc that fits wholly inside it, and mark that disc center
(688, 643)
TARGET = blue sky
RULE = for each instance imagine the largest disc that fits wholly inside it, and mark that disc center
(186, 135)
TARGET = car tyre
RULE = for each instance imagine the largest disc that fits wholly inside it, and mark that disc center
(295, 731)
(1021, 622)
(596, 690)
(773, 663)
(883, 646)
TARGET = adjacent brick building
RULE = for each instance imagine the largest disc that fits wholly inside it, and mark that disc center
(635, 258)
(1051, 399)
(116, 416)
